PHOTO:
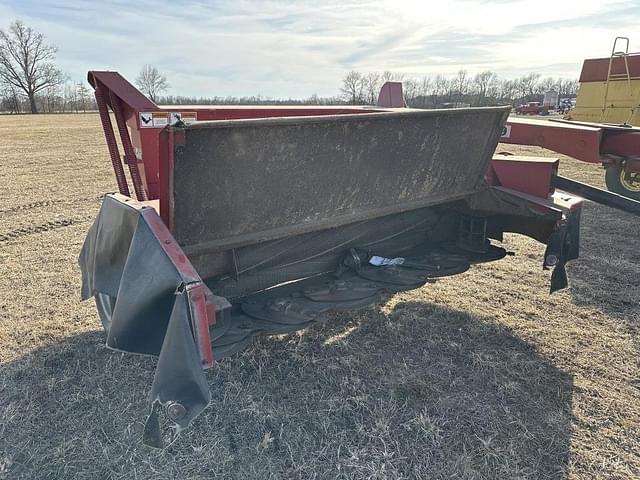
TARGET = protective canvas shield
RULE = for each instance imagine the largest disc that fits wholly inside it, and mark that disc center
(145, 301)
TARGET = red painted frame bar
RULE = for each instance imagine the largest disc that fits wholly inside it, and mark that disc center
(589, 142)
(202, 319)
(577, 141)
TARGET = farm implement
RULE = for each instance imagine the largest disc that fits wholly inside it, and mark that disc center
(232, 222)
(603, 126)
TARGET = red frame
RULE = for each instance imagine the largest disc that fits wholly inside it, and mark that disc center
(588, 142)
(531, 178)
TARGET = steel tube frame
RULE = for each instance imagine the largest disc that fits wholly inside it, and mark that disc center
(597, 195)
(587, 142)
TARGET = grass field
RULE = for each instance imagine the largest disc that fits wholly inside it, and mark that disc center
(479, 376)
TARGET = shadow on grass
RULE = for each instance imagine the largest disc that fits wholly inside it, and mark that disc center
(418, 391)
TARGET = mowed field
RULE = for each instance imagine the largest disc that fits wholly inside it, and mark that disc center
(479, 376)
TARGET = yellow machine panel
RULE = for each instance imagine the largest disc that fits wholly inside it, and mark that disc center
(610, 88)
(621, 105)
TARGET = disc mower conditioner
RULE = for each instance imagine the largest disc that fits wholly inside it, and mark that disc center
(259, 220)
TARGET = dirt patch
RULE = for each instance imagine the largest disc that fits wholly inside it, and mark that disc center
(483, 375)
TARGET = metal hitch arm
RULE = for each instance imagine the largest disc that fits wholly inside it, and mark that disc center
(597, 195)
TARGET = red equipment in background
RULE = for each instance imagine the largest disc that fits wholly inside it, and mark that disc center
(532, 108)
(588, 142)
(616, 147)
(600, 127)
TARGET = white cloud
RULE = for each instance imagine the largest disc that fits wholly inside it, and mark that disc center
(294, 49)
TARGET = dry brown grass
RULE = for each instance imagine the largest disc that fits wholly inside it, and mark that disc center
(479, 376)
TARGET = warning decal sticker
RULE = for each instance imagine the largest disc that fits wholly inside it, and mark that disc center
(184, 117)
(154, 119)
(162, 119)
(189, 117)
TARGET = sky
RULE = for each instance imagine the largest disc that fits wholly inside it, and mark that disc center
(294, 49)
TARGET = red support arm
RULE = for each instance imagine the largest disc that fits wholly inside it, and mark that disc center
(589, 142)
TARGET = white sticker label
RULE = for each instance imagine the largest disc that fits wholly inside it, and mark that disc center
(189, 117)
(154, 119)
(160, 119)
(174, 117)
(146, 120)
(185, 117)
(506, 131)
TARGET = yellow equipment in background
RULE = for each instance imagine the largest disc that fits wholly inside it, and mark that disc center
(610, 88)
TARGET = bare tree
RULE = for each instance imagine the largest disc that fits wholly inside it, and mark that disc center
(546, 84)
(371, 86)
(352, 87)
(50, 100)
(9, 99)
(26, 62)
(83, 95)
(460, 85)
(527, 85)
(485, 85)
(567, 87)
(151, 82)
(508, 90)
(425, 86)
(411, 89)
(71, 97)
(440, 85)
